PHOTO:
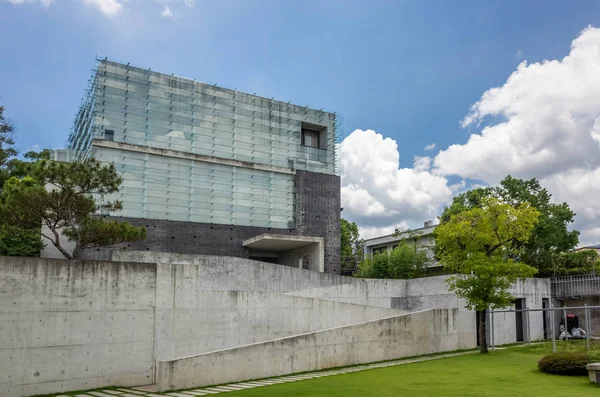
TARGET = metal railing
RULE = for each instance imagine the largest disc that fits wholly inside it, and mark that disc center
(571, 286)
(553, 314)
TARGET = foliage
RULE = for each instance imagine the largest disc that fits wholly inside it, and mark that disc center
(65, 197)
(566, 363)
(571, 263)
(405, 261)
(479, 245)
(351, 246)
(7, 150)
(20, 242)
(550, 235)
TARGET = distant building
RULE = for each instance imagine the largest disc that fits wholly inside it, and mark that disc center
(423, 237)
(595, 248)
(210, 170)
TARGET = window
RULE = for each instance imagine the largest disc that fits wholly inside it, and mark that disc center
(379, 250)
(310, 138)
(109, 135)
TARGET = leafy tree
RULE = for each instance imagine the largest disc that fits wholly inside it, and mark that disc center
(14, 241)
(551, 235)
(65, 198)
(7, 150)
(478, 245)
(571, 263)
(20, 242)
(407, 260)
(351, 246)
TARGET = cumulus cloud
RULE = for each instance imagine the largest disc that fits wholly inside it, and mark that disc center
(45, 3)
(167, 13)
(430, 147)
(109, 8)
(544, 122)
(378, 194)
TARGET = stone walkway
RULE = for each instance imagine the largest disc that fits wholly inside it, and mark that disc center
(205, 391)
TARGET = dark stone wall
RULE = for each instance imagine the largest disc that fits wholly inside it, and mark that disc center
(317, 215)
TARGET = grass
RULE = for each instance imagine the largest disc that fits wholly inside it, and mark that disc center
(508, 372)
(505, 372)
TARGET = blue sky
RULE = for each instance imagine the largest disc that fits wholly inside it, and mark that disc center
(409, 70)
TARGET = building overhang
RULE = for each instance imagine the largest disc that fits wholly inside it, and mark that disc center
(280, 243)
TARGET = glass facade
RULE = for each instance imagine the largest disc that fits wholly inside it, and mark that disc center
(142, 108)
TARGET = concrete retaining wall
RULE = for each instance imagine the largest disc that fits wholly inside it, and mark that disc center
(71, 326)
(67, 325)
(406, 335)
(193, 320)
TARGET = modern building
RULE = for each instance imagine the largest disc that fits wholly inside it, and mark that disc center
(210, 170)
(422, 237)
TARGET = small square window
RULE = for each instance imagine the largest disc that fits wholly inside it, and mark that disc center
(109, 135)
(310, 138)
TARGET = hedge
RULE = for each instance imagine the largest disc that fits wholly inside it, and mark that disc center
(566, 363)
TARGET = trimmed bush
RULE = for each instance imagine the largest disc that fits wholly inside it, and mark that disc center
(565, 363)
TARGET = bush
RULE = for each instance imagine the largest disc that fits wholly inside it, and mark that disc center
(565, 363)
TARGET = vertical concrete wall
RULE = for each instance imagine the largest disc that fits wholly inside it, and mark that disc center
(68, 325)
(414, 334)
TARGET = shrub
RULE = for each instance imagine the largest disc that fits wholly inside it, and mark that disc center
(565, 363)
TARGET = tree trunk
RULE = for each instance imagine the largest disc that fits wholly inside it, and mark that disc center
(483, 348)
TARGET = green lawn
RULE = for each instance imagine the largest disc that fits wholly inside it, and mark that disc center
(511, 372)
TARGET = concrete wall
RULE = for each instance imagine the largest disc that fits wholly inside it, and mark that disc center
(71, 325)
(594, 326)
(407, 335)
(193, 319)
(403, 295)
(505, 324)
(67, 325)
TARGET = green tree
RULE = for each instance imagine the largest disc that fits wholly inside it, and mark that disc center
(478, 245)
(66, 199)
(551, 235)
(20, 242)
(351, 246)
(7, 149)
(407, 260)
(14, 241)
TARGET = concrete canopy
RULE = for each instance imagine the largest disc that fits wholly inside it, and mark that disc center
(280, 243)
(295, 251)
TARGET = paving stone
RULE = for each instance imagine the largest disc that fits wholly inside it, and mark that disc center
(101, 394)
(241, 385)
(209, 391)
(178, 395)
(216, 390)
(131, 391)
(112, 392)
(83, 395)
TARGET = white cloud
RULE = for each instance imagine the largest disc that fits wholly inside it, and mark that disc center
(379, 195)
(45, 3)
(430, 147)
(34, 148)
(545, 123)
(167, 13)
(109, 8)
(519, 54)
